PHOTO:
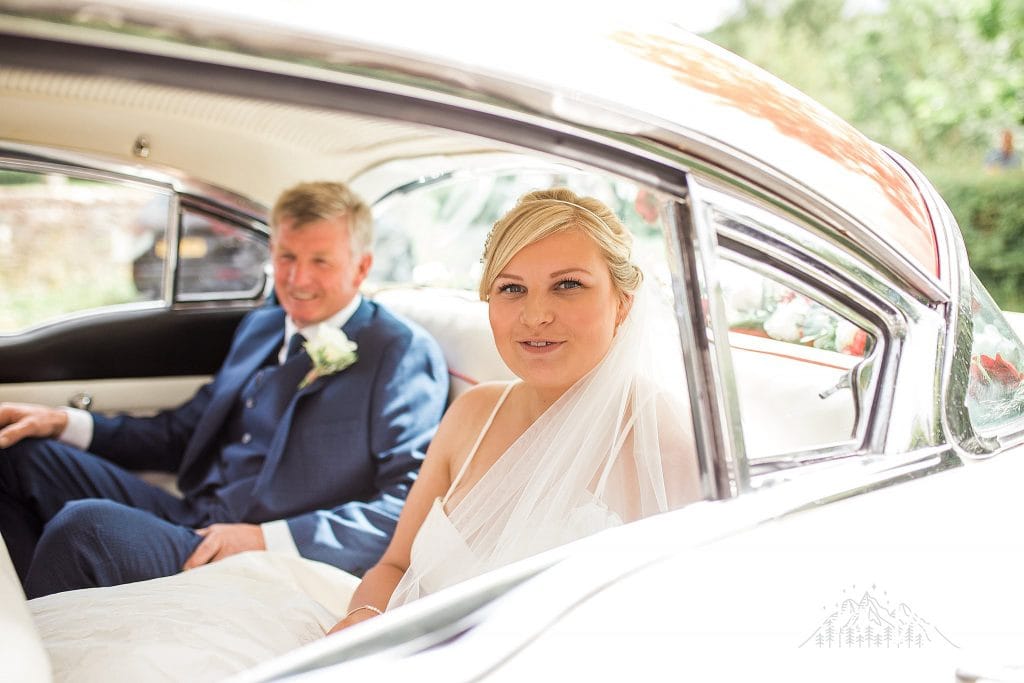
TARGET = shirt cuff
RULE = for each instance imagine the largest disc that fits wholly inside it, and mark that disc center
(278, 538)
(78, 431)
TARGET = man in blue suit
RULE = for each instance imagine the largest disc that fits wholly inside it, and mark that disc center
(275, 453)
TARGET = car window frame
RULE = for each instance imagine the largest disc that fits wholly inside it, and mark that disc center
(17, 160)
(780, 241)
(197, 204)
(35, 159)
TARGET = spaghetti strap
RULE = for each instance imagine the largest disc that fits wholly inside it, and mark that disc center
(479, 439)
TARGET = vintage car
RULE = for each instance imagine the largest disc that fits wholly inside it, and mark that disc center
(857, 407)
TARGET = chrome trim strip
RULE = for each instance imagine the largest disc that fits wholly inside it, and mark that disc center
(172, 236)
(169, 178)
(847, 231)
(958, 340)
(714, 378)
(77, 316)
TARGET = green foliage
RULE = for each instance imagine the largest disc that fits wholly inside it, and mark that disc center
(990, 211)
(933, 79)
(18, 178)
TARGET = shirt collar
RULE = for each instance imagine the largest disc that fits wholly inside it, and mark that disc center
(310, 331)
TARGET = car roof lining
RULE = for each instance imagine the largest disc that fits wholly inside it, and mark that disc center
(252, 147)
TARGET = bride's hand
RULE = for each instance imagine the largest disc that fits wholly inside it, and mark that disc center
(353, 618)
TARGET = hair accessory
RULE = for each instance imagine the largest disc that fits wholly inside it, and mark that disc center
(487, 241)
(369, 607)
(575, 206)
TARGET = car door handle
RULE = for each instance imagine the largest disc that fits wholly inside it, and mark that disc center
(81, 400)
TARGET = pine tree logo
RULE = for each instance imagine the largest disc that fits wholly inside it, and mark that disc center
(868, 622)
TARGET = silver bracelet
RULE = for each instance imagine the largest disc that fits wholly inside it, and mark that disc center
(369, 607)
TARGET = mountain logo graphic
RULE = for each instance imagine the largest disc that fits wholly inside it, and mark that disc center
(866, 623)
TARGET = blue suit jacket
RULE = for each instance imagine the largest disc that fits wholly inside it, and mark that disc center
(345, 453)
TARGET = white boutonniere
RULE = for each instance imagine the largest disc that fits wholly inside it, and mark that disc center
(331, 352)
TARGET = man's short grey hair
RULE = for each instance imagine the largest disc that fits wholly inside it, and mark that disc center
(310, 202)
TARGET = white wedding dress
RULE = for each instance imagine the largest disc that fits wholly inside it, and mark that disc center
(201, 625)
(617, 446)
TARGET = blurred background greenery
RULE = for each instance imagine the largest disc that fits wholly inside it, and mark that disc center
(935, 80)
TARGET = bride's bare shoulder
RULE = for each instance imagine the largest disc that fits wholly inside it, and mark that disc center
(479, 400)
(466, 415)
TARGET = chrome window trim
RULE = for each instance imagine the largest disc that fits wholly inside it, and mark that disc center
(78, 316)
(11, 158)
(714, 378)
(44, 165)
(956, 352)
(254, 222)
(171, 178)
(172, 235)
(785, 192)
(781, 234)
(858, 442)
(261, 231)
(182, 193)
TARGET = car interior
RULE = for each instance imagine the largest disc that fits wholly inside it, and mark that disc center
(151, 208)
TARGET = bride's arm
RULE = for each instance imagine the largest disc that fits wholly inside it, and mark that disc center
(374, 591)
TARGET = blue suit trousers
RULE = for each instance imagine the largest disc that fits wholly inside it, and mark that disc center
(50, 493)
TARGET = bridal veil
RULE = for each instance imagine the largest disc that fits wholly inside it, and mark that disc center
(614, 448)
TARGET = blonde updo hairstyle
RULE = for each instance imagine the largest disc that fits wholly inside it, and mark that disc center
(543, 213)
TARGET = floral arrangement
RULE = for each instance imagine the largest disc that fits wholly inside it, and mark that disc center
(331, 351)
(995, 391)
(760, 306)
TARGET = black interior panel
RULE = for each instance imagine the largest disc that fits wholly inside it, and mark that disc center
(121, 345)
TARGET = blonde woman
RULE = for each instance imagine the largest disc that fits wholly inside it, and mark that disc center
(586, 438)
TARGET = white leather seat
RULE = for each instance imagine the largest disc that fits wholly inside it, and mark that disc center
(457, 319)
(21, 649)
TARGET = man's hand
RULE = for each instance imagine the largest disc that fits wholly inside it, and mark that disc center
(22, 420)
(224, 540)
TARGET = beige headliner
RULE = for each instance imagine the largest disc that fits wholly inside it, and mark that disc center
(254, 148)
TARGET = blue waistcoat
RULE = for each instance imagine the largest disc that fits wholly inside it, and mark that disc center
(226, 491)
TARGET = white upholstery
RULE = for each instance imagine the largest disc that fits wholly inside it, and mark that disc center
(22, 656)
(779, 386)
(458, 321)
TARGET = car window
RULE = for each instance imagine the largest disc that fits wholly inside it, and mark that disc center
(794, 358)
(995, 390)
(217, 259)
(431, 233)
(430, 237)
(68, 244)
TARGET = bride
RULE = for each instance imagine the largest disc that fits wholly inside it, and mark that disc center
(586, 438)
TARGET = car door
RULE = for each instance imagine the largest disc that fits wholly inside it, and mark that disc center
(119, 293)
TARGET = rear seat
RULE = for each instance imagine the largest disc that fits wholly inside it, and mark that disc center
(457, 319)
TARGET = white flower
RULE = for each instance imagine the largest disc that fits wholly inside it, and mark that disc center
(331, 351)
(786, 322)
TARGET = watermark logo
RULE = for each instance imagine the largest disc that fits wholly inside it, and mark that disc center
(865, 620)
